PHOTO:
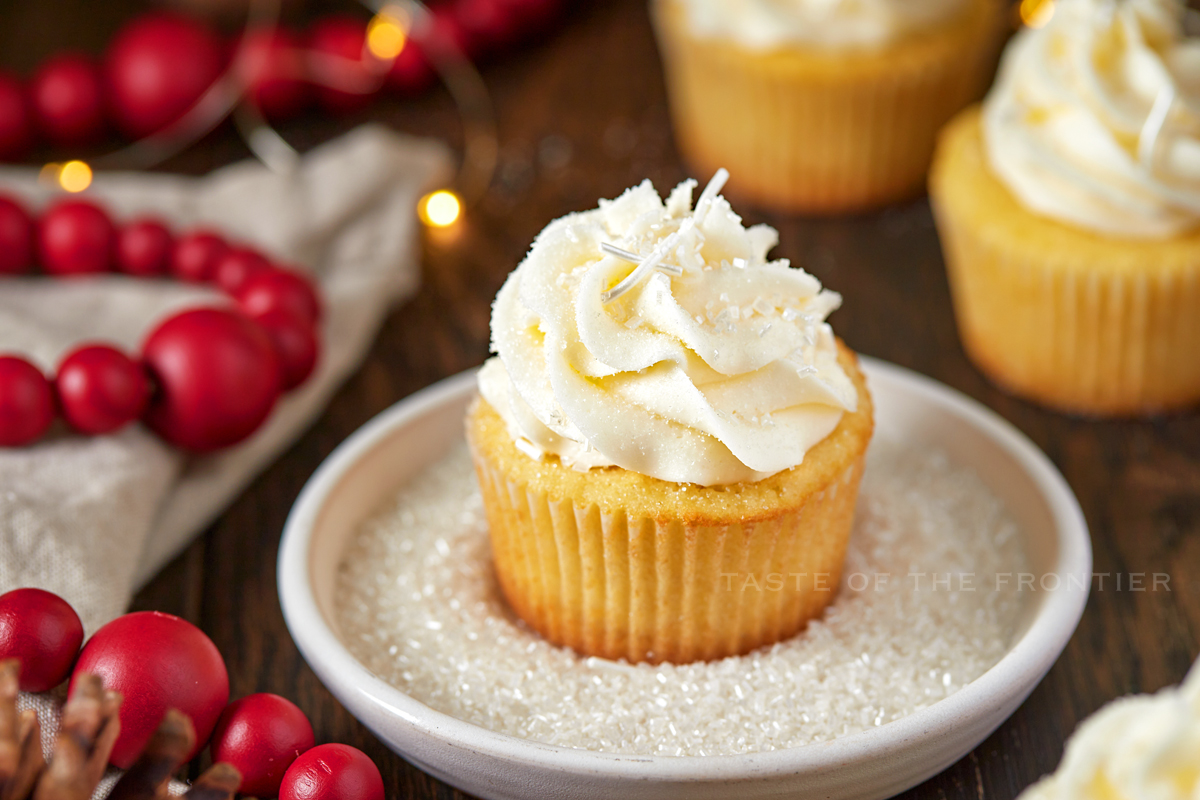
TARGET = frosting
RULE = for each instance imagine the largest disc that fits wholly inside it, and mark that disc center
(1095, 118)
(706, 363)
(766, 24)
(1136, 748)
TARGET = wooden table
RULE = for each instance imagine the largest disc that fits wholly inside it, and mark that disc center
(583, 116)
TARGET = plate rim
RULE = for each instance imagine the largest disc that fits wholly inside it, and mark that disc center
(1023, 665)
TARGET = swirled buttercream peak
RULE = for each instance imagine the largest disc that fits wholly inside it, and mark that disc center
(711, 365)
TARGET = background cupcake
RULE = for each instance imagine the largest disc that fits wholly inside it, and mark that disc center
(669, 453)
(1068, 209)
(818, 106)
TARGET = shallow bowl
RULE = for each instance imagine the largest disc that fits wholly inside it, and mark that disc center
(368, 468)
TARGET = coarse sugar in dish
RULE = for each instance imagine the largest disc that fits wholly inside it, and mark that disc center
(928, 603)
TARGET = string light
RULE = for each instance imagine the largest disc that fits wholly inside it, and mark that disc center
(387, 32)
(75, 176)
(440, 209)
(1036, 13)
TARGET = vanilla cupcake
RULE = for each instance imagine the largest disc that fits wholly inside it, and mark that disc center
(669, 451)
(1145, 747)
(1069, 208)
(819, 106)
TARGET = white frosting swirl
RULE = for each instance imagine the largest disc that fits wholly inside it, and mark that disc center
(1095, 118)
(1136, 748)
(726, 372)
(768, 24)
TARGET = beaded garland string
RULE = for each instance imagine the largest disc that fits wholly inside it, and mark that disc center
(205, 378)
(268, 73)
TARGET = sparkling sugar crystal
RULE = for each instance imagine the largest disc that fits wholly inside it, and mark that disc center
(419, 605)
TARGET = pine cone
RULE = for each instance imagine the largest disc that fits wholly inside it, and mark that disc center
(89, 728)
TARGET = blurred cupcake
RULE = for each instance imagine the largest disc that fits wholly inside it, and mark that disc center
(669, 451)
(819, 106)
(1068, 209)
(1145, 747)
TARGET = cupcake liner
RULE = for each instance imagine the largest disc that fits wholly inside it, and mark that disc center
(823, 131)
(618, 586)
(1068, 318)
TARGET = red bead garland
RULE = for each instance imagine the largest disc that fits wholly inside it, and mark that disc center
(160, 64)
(157, 661)
(43, 632)
(75, 237)
(332, 772)
(219, 376)
(68, 100)
(16, 238)
(206, 378)
(26, 402)
(100, 389)
(156, 68)
(261, 735)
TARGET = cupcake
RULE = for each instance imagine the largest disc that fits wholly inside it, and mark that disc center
(670, 439)
(1143, 747)
(819, 106)
(1068, 208)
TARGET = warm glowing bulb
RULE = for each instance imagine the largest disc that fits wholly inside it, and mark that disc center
(440, 209)
(387, 33)
(1036, 13)
(75, 176)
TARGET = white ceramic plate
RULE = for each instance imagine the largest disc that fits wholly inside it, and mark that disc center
(366, 471)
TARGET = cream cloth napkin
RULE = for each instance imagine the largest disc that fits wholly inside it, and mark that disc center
(93, 518)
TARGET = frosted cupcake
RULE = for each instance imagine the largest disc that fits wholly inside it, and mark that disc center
(669, 450)
(1143, 747)
(821, 106)
(1068, 209)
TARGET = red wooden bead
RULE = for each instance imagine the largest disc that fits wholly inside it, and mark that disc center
(16, 123)
(26, 402)
(75, 237)
(261, 735)
(100, 389)
(143, 248)
(67, 101)
(155, 70)
(345, 75)
(332, 772)
(16, 238)
(270, 64)
(217, 377)
(280, 289)
(157, 662)
(237, 266)
(296, 343)
(43, 632)
(195, 256)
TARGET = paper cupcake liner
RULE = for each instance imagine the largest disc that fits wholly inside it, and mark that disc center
(822, 132)
(642, 589)
(1061, 316)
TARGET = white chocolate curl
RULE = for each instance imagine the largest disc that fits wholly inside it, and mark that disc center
(1095, 118)
(725, 372)
(769, 24)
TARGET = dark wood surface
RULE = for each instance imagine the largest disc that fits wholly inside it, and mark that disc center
(583, 115)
